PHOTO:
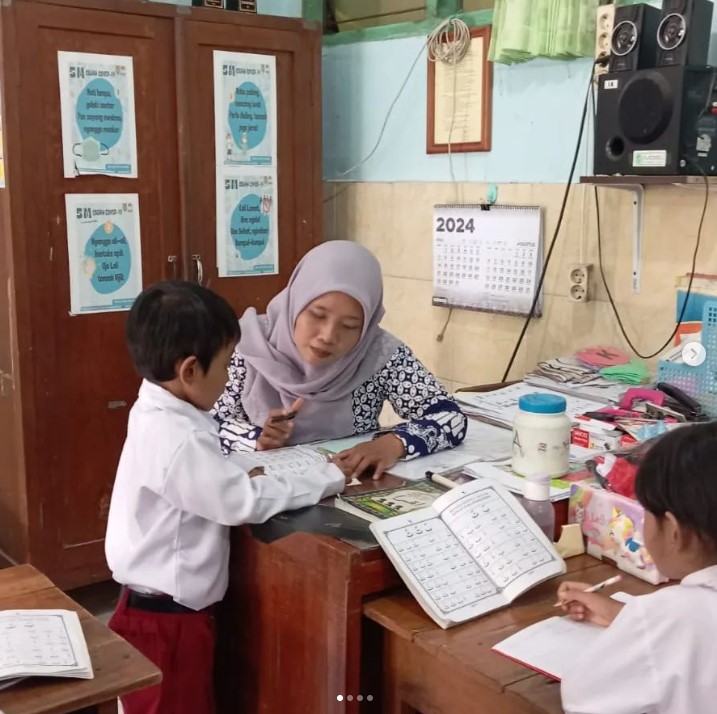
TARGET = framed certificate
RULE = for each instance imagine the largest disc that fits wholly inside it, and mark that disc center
(460, 100)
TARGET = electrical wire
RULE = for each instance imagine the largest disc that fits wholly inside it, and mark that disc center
(566, 194)
(448, 42)
(698, 240)
(683, 309)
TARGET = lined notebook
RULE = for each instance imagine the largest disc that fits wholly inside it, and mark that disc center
(487, 258)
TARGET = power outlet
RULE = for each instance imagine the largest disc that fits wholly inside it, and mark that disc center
(603, 37)
(580, 283)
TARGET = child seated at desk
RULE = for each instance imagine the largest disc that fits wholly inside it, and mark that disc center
(176, 494)
(657, 655)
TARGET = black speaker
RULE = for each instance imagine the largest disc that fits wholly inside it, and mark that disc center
(657, 121)
(634, 37)
(683, 37)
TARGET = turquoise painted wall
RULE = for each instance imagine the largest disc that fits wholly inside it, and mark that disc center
(536, 113)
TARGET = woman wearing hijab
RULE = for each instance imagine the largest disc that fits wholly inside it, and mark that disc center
(317, 366)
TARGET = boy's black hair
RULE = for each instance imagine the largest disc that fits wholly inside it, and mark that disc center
(173, 320)
(679, 474)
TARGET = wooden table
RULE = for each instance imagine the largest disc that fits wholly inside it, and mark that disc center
(433, 671)
(293, 615)
(118, 667)
(290, 629)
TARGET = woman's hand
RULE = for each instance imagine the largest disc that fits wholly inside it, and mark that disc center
(277, 429)
(379, 454)
(587, 607)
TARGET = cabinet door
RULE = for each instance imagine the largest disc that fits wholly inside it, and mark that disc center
(84, 384)
(298, 56)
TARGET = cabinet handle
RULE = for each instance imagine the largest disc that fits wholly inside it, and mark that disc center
(174, 262)
(200, 269)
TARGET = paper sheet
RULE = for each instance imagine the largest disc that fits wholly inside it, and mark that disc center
(501, 405)
(336, 446)
(245, 131)
(292, 458)
(98, 115)
(245, 109)
(458, 108)
(483, 442)
(487, 260)
(247, 223)
(550, 645)
(104, 251)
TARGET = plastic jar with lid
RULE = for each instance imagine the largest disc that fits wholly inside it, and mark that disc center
(541, 436)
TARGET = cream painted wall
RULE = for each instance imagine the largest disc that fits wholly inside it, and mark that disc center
(394, 220)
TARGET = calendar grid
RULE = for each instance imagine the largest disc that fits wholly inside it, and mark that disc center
(487, 258)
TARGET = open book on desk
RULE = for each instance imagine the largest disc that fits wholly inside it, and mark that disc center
(42, 643)
(474, 550)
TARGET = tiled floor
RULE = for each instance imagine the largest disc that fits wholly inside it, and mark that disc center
(100, 599)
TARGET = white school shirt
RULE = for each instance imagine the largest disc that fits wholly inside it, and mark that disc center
(659, 655)
(176, 495)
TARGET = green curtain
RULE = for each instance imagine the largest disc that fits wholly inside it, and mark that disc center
(557, 29)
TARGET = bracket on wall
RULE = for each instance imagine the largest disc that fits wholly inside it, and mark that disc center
(638, 205)
(636, 185)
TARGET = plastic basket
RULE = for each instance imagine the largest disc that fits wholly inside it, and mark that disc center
(699, 382)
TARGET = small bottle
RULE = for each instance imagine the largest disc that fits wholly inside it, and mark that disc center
(536, 501)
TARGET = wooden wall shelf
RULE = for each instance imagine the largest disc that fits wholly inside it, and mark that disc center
(637, 185)
(622, 181)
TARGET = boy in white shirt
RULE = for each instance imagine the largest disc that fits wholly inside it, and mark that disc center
(657, 655)
(176, 495)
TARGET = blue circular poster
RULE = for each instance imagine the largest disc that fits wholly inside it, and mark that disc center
(107, 260)
(248, 116)
(99, 113)
(250, 227)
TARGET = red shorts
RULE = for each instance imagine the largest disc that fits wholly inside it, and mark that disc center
(182, 646)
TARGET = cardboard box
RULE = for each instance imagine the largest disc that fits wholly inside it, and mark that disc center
(596, 436)
(613, 525)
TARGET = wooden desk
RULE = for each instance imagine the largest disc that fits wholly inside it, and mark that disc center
(118, 667)
(434, 671)
(290, 630)
(293, 615)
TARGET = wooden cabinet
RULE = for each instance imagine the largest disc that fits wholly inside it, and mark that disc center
(66, 383)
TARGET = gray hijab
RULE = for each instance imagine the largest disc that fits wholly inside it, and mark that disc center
(276, 375)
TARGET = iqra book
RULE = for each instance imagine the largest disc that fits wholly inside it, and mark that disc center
(473, 550)
(43, 643)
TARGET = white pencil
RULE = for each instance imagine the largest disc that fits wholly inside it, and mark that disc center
(597, 588)
(604, 584)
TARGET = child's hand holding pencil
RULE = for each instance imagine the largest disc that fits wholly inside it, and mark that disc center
(582, 602)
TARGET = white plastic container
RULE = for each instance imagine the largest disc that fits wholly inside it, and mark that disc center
(541, 436)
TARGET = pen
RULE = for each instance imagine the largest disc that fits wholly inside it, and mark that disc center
(442, 478)
(283, 417)
(597, 588)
